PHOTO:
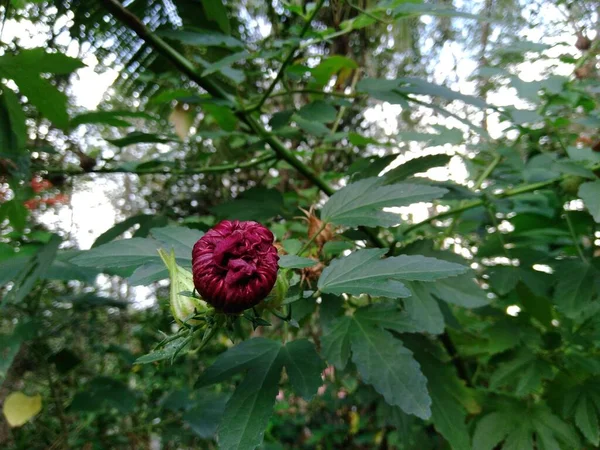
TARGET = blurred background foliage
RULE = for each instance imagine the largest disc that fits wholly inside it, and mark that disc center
(373, 84)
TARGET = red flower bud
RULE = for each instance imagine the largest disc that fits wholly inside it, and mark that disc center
(235, 265)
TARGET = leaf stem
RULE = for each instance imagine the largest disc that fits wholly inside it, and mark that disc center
(312, 239)
(574, 237)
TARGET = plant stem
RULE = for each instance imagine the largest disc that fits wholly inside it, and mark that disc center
(574, 237)
(480, 202)
(167, 171)
(288, 59)
(312, 239)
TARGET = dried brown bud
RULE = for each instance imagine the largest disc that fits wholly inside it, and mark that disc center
(583, 42)
(315, 225)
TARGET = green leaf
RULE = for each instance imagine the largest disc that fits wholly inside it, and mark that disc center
(310, 126)
(363, 272)
(491, 430)
(575, 287)
(524, 373)
(15, 212)
(448, 397)
(202, 38)
(34, 270)
(49, 101)
(330, 66)
(217, 12)
(335, 344)
(258, 204)
(113, 118)
(40, 61)
(461, 291)
(295, 262)
(17, 129)
(303, 366)
(248, 411)
(122, 253)
(138, 137)
(383, 362)
(120, 228)
(225, 62)
(423, 309)
(148, 273)
(369, 167)
(167, 352)
(318, 111)
(586, 419)
(223, 115)
(10, 345)
(361, 203)
(414, 166)
(590, 194)
(103, 393)
(179, 239)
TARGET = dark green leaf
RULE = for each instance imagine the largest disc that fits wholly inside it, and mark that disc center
(202, 38)
(217, 12)
(318, 111)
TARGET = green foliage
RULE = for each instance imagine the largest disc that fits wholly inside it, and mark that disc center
(455, 308)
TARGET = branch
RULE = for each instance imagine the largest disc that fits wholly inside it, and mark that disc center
(480, 202)
(288, 58)
(166, 170)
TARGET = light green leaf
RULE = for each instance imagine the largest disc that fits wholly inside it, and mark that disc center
(19, 408)
(182, 307)
(363, 272)
(590, 194)
(361, 203)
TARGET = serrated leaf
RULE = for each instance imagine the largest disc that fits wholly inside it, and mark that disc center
(122, 253)
(387, 315)
(180, 239)
(524, 373)
(303, 366)
(335, 344)
(423, 309)
(590, 194)
(383, 362)
(575, 287)
(491, 430)
(119, 228)
(586, 419)
(461, 291)
(414, 166)
(448, 396)
(167, 352)
(363, 272)
(295, 262)
(248, 411)
(361, 203)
